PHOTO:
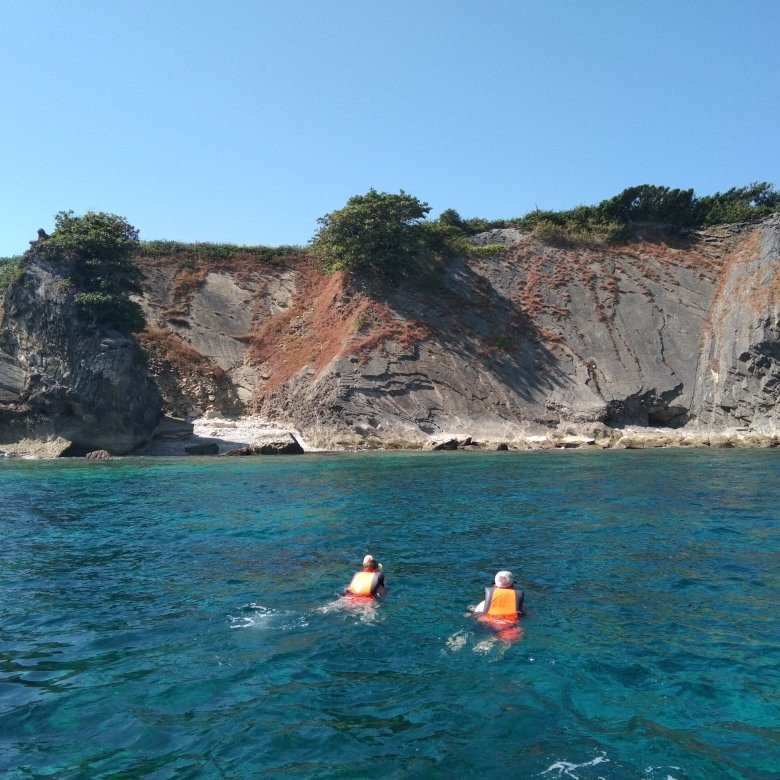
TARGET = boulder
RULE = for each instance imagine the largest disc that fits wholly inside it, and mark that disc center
(284, 444)
(98, 455)
(276, 444)
(443, 444)
(571, 442)
(237, 451)
(36, 449)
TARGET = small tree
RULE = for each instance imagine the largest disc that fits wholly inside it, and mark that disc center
(651, 203)
(104, 245)
(738, 204)
(378, 233)
(451, 218)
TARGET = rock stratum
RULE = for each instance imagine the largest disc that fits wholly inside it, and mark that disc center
(66, 386)
(678, 336)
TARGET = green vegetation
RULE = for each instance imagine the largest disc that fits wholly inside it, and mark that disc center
(104, 276)
(618, 218)
(363, 319)
(504, 342)
(124, 314)
(190, 255)
(10, 271)
(378, 234)
(383, 236)
(471, 226)
(486, 250)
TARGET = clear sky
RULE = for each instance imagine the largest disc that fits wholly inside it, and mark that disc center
(245, 120)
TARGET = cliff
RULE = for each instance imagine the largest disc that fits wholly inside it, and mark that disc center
(64, 380)
(673, 334)
(511, 342)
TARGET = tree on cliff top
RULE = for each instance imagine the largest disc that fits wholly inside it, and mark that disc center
(104, 245)
(378, 234)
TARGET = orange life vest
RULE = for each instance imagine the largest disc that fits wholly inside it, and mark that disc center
(364, 583)
(505, 603)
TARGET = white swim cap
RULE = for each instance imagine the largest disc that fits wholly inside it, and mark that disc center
(504, 579)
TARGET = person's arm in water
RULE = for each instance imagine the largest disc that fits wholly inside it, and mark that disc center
(381, 588)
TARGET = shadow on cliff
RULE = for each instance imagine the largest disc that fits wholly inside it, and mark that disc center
(472, 319)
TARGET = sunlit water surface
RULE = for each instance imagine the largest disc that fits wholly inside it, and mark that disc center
(173, 618)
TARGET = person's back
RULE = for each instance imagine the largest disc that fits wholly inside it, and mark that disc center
(370, 581)
(502, 601)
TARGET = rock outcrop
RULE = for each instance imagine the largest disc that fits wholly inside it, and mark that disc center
(677, 334)
(738, 372)
(652, 343)
(285, 444)
(674, 336)
(62, 378)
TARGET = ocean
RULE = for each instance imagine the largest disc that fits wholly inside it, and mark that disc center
(180, 617)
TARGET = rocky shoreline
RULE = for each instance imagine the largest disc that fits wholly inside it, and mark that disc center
(252, 435)
(646, 344)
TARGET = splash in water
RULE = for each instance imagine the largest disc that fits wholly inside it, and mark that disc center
(257, 616)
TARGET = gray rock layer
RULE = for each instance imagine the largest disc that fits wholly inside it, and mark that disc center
(651, 335)
(61, 377)
(574, 340)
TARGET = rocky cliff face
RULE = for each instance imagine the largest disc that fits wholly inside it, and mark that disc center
(62, 379)
(738, 368)
(674, 335)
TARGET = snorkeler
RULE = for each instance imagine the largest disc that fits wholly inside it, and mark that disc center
(503, 601)
(370, 581)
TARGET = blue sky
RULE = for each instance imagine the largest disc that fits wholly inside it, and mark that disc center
(244, 121)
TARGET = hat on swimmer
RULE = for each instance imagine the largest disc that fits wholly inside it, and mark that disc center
(369, 560)
(504, 579)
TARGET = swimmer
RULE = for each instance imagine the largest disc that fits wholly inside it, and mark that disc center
(369, 581)
(503, 601)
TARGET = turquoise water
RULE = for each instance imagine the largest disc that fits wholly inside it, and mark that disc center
(178, 618)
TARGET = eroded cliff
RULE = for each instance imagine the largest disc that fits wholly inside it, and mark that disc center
(675, 334)
(63, 379)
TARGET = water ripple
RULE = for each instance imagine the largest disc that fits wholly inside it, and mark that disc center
(179, 618)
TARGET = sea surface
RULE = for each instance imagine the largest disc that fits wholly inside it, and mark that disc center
(180, 617)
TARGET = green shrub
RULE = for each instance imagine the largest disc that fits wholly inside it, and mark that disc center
(549, 232)
(739, 204)
(363, 319)
(616, 218)
(487, 250)
(377, 234)
(120, 311)
(189, 255)
(104, 274)
(10, 271)
(504, 342)
(650, 203)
